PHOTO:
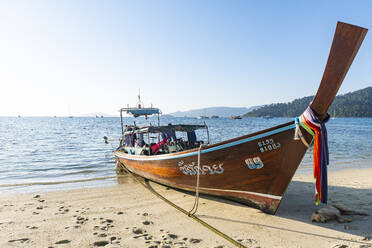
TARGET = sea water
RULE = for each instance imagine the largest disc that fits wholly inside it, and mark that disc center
(50, 153)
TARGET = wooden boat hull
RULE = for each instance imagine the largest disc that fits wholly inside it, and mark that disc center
(254, 169)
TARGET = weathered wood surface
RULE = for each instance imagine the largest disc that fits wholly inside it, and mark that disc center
(345, 45)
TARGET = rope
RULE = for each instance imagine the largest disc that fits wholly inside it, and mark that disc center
(298, 134)
(205, 224)
(196, 202)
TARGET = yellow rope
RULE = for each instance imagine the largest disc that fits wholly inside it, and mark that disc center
(196, 202)
(216, 231)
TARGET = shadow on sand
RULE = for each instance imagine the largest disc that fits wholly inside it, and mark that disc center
(298, 205)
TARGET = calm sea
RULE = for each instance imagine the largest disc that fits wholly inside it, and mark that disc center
(63, 153)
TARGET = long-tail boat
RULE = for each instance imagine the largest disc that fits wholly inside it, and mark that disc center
(253, 169)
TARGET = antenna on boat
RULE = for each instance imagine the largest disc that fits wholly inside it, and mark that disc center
(139, 103)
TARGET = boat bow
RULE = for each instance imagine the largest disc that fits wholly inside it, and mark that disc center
(346, 43)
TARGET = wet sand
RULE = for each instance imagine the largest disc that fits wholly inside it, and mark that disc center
(128, 215)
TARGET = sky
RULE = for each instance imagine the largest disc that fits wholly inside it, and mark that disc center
(77, 57)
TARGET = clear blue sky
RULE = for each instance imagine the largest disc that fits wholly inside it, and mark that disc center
(76, 57)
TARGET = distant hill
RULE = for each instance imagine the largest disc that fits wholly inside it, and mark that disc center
(220, 111)
(353, 104)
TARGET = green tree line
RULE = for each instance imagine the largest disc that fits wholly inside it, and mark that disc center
(353, 104)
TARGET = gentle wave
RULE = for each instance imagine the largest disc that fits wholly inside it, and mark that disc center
(59, 182)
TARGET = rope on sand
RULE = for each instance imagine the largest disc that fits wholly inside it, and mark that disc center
(213, 229)
(196, 202)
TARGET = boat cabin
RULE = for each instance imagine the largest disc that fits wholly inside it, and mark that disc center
(156, 140)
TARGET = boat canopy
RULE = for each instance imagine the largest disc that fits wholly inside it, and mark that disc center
(136, 112)
(162, 129)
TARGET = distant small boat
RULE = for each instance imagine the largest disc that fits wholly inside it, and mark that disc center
(235, 117)
(203, 117)
(254, 169)
(215, 117)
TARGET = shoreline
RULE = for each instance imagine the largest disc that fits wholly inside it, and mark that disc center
(111, 180)
(127, 215)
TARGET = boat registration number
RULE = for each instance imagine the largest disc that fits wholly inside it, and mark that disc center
(268, 145)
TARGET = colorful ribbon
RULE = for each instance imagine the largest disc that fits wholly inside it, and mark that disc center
(321, 154)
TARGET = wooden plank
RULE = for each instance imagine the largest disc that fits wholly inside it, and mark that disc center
(345, 45)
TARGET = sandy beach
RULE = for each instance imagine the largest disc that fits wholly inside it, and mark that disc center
(128, 215)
